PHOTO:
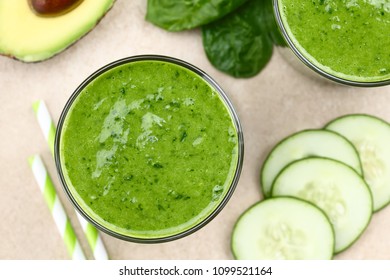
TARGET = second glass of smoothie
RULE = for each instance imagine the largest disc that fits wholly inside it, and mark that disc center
(346, 41)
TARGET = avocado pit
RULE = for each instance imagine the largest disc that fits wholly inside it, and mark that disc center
(53, 7)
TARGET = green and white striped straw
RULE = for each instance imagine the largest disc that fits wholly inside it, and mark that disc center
(57, 210)
(48, 128)
(94, 240)
(45, 122)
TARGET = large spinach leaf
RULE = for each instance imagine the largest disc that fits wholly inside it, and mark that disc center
(241, 43)
(175, 15)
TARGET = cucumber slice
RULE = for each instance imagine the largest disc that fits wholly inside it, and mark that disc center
(313, 142)
(371, 137)
(335, 188)
(283, 228)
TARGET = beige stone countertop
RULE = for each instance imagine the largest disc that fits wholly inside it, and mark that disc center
(275, 103)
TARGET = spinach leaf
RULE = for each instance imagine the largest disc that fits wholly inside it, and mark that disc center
(175, 15)
(241, 43)
(271, 25)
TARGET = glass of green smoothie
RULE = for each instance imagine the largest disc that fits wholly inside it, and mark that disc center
(346, 41)
(149, 149)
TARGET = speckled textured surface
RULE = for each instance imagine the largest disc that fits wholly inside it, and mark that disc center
(275, 103)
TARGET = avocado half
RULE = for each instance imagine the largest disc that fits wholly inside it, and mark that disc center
(28, 37)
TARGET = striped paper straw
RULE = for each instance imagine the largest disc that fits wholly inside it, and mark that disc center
(94, 240)
(57, 210)
(45, 122)
(48, 128)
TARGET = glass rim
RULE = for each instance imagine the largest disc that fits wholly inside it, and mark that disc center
(311, 65)
(224, 98)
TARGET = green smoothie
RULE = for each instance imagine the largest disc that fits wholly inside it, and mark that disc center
(149, 149)
(349, 39)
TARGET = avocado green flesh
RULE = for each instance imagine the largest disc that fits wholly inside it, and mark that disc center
(345, 38)
(28, 37)
(149, 149)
